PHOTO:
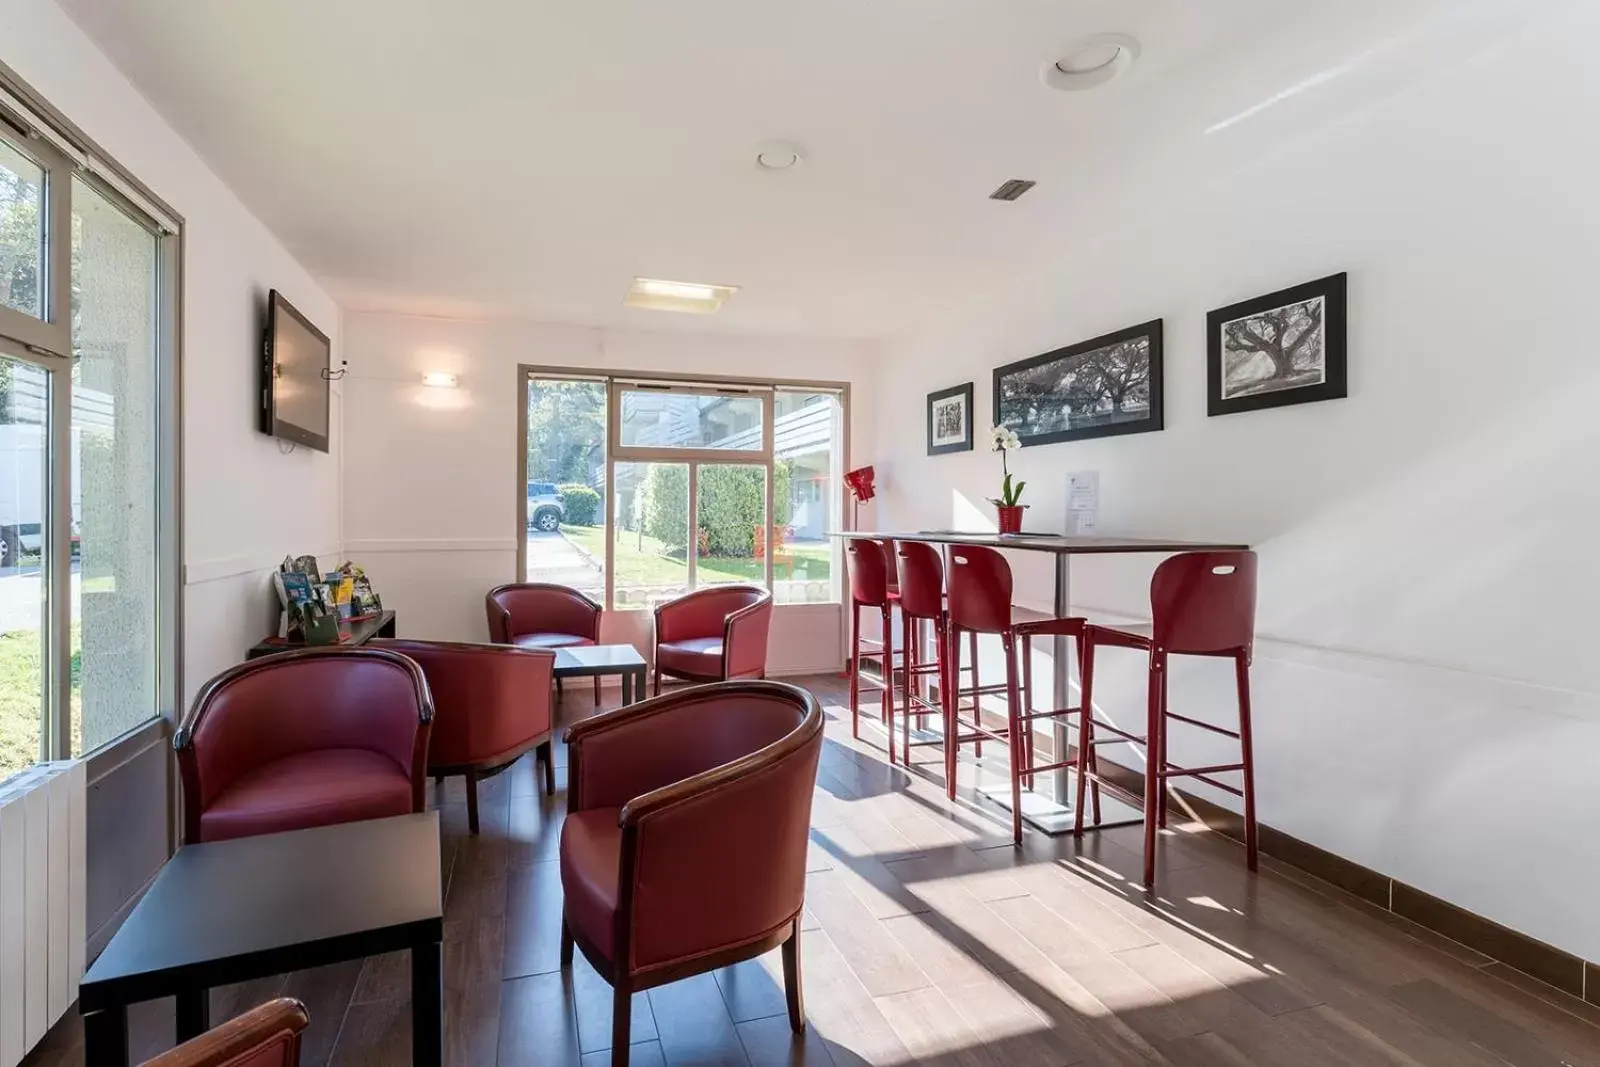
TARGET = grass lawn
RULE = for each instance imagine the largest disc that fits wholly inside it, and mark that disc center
(642, 561)
(20, 677)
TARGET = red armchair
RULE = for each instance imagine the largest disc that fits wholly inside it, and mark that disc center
(491, 704)
(542, 615)
(684, 847)
(713, 634)
(304, 738)
(265, 1036)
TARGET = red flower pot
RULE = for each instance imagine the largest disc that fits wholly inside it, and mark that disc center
(1010, 518)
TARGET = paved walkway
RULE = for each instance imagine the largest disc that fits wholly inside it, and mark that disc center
(552, 558)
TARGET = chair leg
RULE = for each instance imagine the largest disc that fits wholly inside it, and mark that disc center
(1014, 736)
(1242, 673)
(949, 669)
(1027, 708)
(621, 1022)
(913, 649)
(888, 680)
(977, 699)
(793, 994)
(597, 690)
(1081, 643)
(913, 632)
(566, 941)
(1162, 795)
(1085, 737)
(656, 689)
(855, 670)
(1152, 781)
(547, 752)
(472, 801)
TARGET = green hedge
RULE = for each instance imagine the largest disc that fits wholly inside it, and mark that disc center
(581, 505)
(731, 506)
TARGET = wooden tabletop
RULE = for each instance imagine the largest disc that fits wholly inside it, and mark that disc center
(352, 632)
(342, 891)
(1054, 543)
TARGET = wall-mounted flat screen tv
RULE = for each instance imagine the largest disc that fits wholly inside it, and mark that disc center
(294, 377)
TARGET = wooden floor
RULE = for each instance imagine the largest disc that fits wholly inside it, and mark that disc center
(930, 940)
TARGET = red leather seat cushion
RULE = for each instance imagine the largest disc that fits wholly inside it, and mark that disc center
(308, 789)
(591, 853)
(698, 656)
(549, 640)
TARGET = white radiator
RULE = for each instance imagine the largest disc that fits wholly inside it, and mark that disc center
(41, 902)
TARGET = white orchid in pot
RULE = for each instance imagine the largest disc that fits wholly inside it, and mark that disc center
(1008, 504)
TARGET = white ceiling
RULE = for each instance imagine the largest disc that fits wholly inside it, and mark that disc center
(528, 158)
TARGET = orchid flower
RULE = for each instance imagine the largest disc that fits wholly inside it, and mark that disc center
(1004, 440)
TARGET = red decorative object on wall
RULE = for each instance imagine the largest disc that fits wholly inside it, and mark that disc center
(860, 483)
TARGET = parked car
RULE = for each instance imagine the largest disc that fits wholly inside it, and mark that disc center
(545, 510)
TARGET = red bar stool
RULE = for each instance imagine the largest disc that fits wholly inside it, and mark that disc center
(921, 598)
(1201, 604)
(980, 603)
(869, 588)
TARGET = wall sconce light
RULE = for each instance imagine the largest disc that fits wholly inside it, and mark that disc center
(439, 380)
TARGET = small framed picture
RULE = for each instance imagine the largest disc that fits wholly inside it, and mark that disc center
(1284, 348)
(1102, 387)
(950, 420)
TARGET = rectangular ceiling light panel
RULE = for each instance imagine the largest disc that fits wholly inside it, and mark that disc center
(657, 294)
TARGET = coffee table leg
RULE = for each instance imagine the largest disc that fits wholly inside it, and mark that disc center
(105, 1038)
(194, 1013)
(627, 688)
(427, 1005)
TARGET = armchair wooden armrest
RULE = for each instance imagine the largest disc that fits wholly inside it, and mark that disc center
(269, 1033)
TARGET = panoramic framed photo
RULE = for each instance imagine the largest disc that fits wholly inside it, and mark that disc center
(1102, 387)
(950, 420)
(1284, 348)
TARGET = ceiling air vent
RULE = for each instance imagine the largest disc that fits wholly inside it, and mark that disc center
(1011, 189)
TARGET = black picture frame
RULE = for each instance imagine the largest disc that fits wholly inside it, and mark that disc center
(1329, 296)
(964, 393)
(1151, 332)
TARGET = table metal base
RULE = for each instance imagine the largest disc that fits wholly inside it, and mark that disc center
(1044, 814)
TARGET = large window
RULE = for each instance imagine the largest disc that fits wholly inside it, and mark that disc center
(640, 490)
(87, 450)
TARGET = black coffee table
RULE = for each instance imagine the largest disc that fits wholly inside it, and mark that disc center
(232, 911)
(589, 661)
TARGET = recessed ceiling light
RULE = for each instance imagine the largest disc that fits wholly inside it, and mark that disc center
(658, 294)
(779, 155)
(1090, 62)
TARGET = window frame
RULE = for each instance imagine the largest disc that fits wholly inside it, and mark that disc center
(616, 384)
(49, 335)
(48, 135)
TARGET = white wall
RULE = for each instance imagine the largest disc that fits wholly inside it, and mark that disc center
(431, 485)
(245, 505)
(1426, 678)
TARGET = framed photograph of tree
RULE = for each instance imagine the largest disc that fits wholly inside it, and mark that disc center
(1102, 387)
(950, 420)
(1284, 348)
